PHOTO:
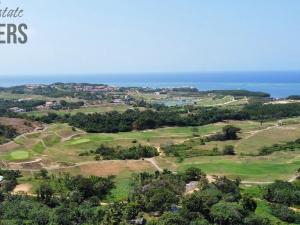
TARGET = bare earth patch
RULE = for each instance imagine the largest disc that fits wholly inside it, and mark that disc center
(22, 188)
(107, 168)
(8, 147)
(21, 125)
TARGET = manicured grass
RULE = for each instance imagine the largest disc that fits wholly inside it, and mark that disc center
(280, 166)
(38, 148)
(51, 140)
(120, 193)
(79, 141)
(19, 155)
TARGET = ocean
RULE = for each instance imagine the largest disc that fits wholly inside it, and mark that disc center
(278, 84)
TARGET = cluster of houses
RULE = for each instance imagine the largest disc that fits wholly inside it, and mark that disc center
(128, 100)
(94, 89)
(48, 105)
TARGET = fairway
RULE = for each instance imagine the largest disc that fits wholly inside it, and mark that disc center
(79, 141)
(259, 169)
(19, 155)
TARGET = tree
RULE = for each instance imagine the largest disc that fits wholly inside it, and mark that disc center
(283, 212)
(45, 193)
(253, 219)
(193, 174)
(160, 199)
(169, 218)
(249, 204)
(195, 131)
(228, 150)
(43, 173)
(224, 213)
(199, 222)
(64, 215)
(114, 214)
(230, 132)
(132, 210)
(195, 203)
(230, 189)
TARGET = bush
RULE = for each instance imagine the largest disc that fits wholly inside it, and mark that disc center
(134, 152)
(283, 213)
(228, 150)
(227, 213)
(193, 174)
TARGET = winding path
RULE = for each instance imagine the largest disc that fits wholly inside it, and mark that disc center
(154, 163)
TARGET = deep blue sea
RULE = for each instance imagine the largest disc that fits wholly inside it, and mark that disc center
(278, 84)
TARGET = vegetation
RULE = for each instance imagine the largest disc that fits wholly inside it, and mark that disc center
(232, 134)
(27, 105)
(134, 152)
(290, 146)
(129, 120)
(281, 195)
(9, 180)
(239, 93)
(228, 150)
(7, 132)
(264, 112)
(294, 97)
(229, 133)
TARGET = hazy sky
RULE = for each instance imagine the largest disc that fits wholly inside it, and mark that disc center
(123, 36)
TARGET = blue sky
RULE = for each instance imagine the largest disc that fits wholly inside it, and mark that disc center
(142, 36)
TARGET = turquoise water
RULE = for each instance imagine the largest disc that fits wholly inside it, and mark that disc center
(278, 84)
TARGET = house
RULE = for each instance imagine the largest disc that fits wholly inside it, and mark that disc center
(41, 107)
(1, 178)
(191, 187)
(117, 101)
(17, 110)
(49, 104)
(24, 99)
(128, 99)
(140, 221)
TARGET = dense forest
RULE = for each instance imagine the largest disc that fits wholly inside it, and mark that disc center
(155, 199)
(167, 116)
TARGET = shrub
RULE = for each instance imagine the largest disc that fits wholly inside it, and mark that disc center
(228, 150)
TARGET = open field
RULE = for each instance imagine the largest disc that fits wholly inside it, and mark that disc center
(88, 109)
(7, 95)
(204, 101)
(260, 169)
(58, 146)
